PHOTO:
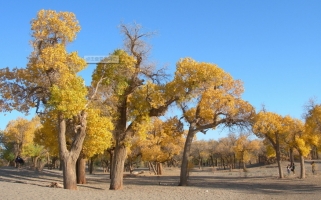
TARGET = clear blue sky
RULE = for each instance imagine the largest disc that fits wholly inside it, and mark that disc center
(274, 46)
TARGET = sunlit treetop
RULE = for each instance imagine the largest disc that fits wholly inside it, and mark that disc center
(313, 125)
(208, 95)
(50, 79)
(313, 120)
(118, 74)
(193, 77)
(267, 124)
(53, 27)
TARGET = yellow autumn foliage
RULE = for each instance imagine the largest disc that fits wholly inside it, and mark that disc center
(267, 125)
(313, 125)
(244, 149)
(98, 133)
(270, 151)
(63, 25)
(21, 133)
(163, 140)
(192, 78)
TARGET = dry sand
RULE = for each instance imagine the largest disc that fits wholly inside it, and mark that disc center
(259, 183)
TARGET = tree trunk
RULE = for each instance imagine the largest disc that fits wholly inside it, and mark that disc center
(234, 161)
(35, 163)
(91, 165)
(151, 166)
(131, 168)
(212, 161)
(69, 157)
(291, 156)
(159, 168)
(61, 166)
(81, 169)
(54, 162)
(302, 171)
(117, 169)
(69, 173)
(111, 157)
(278, 159)
(224, 166)
(244, 165)
(187, 149)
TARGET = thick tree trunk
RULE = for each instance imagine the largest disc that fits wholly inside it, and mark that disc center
(187, 149)
(81, 169)
(116, 182)
(69, 173)
(302, 171)
(69, 157)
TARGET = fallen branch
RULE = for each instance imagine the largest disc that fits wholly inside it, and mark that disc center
(55, 185)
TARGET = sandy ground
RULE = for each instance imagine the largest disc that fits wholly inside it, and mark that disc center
(259, 183)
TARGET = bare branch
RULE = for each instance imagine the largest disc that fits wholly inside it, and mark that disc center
(95, 91)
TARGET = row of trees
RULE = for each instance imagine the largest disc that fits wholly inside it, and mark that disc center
(123, 102)
(160, 142)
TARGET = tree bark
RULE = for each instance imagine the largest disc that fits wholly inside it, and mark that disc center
(81, 169)
(244, 166)
(111, 157)
(61, 165)
(187, 149)
(151, 166)
(35, 163)
(54, 162)
(302, 171)
(91, 165)
(291, 156)
(69, 173)
(116, 182)
(159, 168)
(278, 159)
(69, 157)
